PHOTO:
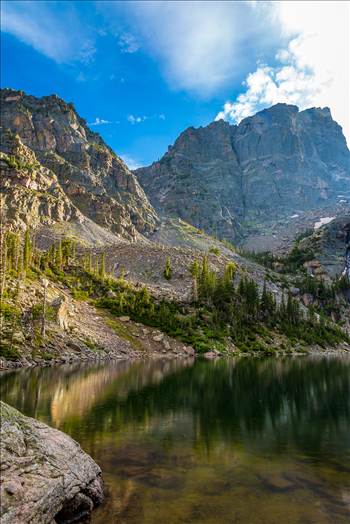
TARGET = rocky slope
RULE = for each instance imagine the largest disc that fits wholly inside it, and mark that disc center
(230, 180)
(67, 171)
(45, 475)
(331, 246)
(76, 331)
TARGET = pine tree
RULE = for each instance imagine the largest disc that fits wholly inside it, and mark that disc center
(195, 269)
(59, 257)
(89, 264)
(167, 270)
(51, 255)
(27, 250)
(74, 250)
(102, 271)
(194, 289)
(66, 246)
(3, 247)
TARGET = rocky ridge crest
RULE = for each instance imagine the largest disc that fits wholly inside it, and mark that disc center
(229, 180)
(95, 181)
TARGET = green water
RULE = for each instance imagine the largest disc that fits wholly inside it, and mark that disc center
(240, 441)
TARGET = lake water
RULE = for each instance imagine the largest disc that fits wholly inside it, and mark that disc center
(243, 441)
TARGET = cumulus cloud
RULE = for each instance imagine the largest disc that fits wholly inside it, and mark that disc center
(39, 25)
(136, 119)
(311, 70)
(100, 121)
(128, 43)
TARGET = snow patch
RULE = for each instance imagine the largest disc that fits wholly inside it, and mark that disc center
(323, 221)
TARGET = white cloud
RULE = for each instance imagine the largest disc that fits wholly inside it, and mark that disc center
(128, 43)
(131, 162)
(311, 70)
(100, 121)
(38, 24)
(200, 46)
(136, 119)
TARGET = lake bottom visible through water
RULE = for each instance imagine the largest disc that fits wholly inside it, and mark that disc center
(248, 441)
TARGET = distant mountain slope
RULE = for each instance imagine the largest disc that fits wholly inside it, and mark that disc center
(331, 245)
(228, 179)
(88, 176)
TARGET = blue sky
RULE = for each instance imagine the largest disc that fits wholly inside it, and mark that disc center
(141, 72)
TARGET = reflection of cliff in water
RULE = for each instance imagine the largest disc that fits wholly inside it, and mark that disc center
(70, 392)
(273, 401)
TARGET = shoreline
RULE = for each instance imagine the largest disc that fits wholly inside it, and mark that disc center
(9, 365)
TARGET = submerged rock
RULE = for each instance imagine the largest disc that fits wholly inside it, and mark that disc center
(45, 476)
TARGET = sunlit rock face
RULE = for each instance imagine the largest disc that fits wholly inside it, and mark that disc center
(224, 178)
(91, 175)
(30, 193)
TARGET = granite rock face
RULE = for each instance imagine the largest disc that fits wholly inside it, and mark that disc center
(95, 180)
(331, 246)
(46, 478)
(226, 179)
(30, 193)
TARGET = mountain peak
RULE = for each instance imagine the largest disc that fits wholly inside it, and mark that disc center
(224, 178)
(91, 175)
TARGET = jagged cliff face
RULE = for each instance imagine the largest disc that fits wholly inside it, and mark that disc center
(331, 246)
(226, 179)
(93, 180)
(30, 193)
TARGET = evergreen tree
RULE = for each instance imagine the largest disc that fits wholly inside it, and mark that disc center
(51, 255)
(167, 270)
(27, 250)
(89, 265)
(59, 256)
(194, 289)
(195, 269)
(102, 272)
(3, 246)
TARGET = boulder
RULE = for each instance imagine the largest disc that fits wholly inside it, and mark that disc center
(45, 476)
(61, 305)
(210, 355)
(166, 344)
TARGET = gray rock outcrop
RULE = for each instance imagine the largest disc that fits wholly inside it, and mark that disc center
(46, 477)
(75, 160)
(228, 179)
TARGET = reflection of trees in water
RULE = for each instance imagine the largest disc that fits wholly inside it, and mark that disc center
(271, 402)
(69, 392)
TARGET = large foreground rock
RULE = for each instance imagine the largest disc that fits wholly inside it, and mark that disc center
(45, 476)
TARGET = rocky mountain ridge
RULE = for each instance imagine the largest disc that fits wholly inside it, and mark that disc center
(229, 180)
(47, 135)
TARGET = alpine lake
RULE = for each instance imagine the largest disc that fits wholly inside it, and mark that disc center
(246, 440)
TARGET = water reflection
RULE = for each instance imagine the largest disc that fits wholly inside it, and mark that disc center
(225, 441)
